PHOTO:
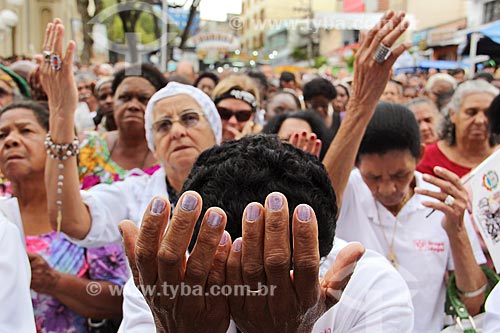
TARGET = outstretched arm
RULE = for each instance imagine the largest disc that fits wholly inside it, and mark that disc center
(370, 78)
(59, 84)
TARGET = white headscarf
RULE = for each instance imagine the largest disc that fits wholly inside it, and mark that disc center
(175, 88)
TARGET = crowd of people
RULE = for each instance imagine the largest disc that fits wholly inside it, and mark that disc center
(321, 188)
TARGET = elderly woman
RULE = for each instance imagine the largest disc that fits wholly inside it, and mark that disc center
(466, 140)
(61, 270)
(291, 126)
(439, 88)
(429, 118)
(237, 99)
(108, 157)
(180, 122)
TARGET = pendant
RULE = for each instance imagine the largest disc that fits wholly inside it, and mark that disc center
(392, 258)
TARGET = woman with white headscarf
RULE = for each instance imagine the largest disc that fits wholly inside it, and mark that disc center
(180, 122)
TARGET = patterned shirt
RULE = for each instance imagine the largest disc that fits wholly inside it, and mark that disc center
(96, 166)
(107, 263)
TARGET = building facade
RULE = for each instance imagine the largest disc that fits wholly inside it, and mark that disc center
(26, 37)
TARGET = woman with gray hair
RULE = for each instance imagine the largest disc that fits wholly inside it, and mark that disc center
(466, 139)
(428, 116)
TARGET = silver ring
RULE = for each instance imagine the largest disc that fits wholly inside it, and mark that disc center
(55, 62)
(46, 55)
(255, 292)
(450, 200)
(382, 53)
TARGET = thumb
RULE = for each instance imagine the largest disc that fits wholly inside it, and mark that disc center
(130, 232)
(338, 276)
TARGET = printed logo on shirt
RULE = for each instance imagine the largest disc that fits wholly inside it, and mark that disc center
(423, 245)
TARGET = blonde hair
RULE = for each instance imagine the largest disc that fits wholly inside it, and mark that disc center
(238, 81)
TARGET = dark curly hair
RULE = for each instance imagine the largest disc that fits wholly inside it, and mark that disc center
(146, 71)
(238, 172)
(312, 118)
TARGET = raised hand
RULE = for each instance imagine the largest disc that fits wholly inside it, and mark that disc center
(308, 143)
(278, 300)
(159, 265)
(370, 76)
(58, 84)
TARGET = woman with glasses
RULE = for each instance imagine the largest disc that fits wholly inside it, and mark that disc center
(237, 98)
(180, 121)
(111, 156)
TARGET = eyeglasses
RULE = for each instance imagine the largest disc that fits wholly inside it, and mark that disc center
(188, 118)
(241, 115)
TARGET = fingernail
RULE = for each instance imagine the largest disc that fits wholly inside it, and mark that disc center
(304, 213)
(237, 245)
(253, 212)
(223, 240)
(438, 169)
(158, 206)
(426, 176)
(408, 44)
(275, 202)
(189, 202)
(401, 14)
(214, 219)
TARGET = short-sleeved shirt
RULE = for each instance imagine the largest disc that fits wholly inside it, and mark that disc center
(421, 245)
(107, 263)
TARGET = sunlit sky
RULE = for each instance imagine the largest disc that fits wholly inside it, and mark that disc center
(217, 10)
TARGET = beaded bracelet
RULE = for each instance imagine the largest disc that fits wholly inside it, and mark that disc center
(60, 152)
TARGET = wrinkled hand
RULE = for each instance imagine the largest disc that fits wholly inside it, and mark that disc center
(308, 143)
(249, 128)
(159, 261)
(44, 278)
(278, 300)
(450, 184)
(59, 85)
(370, 77)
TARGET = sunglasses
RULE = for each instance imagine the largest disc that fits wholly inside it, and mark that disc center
(189, 118)
(241, 115)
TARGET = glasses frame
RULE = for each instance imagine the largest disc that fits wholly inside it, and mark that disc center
(177, 119)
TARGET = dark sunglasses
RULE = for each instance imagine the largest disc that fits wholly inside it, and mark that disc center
(241, 115)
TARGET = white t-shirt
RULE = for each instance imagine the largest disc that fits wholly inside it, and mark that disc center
(421, 245)
(492, 318)
(16, 313)
(376, 299)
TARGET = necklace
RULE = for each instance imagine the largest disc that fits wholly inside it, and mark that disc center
(115, 143)
(391, 255)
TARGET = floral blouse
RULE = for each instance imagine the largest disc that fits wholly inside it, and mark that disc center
(107, 263)
(96, 166)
